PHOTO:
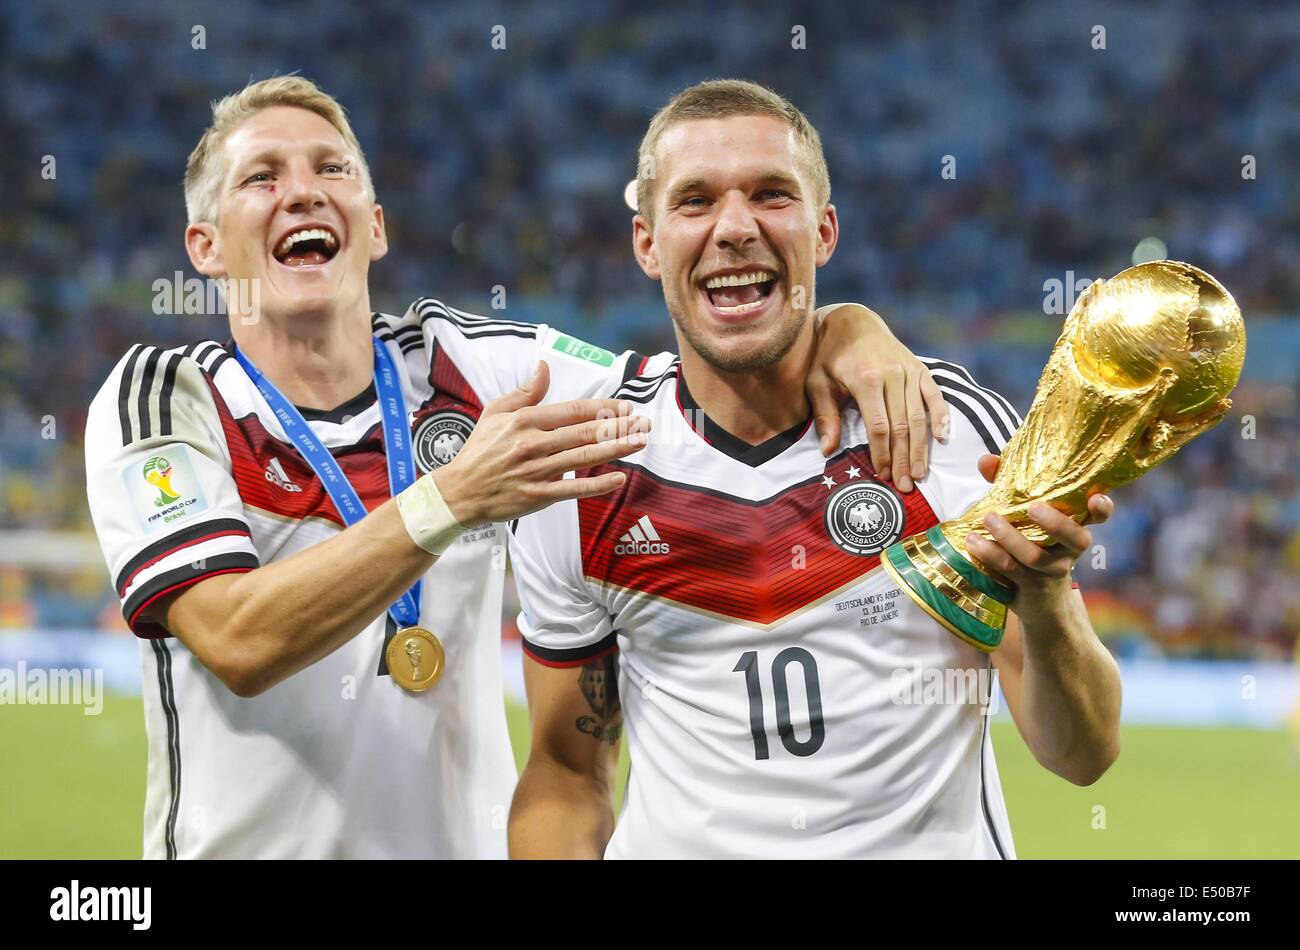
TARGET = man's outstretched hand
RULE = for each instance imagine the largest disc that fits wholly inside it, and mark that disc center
(515, 460)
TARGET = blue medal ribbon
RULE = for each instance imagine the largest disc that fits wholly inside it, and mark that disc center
(397, 450)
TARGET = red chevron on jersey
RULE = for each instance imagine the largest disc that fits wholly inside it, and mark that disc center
(753, 561)
(449, 382)
(253, 450)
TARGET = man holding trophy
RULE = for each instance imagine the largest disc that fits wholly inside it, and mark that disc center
(724, 603)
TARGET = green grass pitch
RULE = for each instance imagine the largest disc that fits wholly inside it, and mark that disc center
(73, 786)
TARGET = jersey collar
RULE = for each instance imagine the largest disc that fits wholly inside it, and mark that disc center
(728, 444)
(339, 414)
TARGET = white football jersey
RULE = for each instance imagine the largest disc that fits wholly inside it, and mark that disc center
(782, 696)
(190, 475)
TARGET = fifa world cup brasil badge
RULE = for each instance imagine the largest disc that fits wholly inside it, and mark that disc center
(158, 473)
(1144, 365)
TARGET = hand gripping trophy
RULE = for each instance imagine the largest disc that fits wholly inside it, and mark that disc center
(1144, 365)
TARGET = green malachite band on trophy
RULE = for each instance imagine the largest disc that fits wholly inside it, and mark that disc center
(957, 620)
(978, 579)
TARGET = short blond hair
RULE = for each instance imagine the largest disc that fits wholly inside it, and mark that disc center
(203, 171)
(721, 99)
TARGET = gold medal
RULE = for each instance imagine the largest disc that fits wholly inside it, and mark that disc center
(415, 659)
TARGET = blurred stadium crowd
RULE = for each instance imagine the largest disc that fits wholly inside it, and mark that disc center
(506, 167)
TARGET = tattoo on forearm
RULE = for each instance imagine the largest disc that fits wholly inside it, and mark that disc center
(599, 684)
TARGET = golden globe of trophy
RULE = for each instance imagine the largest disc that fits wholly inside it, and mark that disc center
(1145, 364)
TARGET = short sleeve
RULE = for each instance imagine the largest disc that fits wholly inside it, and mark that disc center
(158, 481)
(561, 622)
(477, 358)
(982, 423)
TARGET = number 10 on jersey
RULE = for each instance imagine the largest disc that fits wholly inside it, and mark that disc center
(791, 656)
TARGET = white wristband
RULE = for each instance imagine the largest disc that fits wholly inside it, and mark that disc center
(428, 520)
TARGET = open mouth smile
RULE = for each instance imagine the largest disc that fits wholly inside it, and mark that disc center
(740, 293)
(307, 246)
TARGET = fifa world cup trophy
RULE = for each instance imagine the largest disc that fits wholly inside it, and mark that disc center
(1145, 364)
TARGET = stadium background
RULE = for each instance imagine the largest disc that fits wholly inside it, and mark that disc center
(506, 167)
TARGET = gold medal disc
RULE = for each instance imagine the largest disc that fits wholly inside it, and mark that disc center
(415, 659)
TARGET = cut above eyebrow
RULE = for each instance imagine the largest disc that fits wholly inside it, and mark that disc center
(274, 156)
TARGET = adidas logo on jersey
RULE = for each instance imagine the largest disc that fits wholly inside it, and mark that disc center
(641, 539)
(276, 475)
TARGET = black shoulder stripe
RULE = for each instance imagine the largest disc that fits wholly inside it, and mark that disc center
(381, 328)
(487, 330)
(643, 398)
(146, 391)
(630, 368)
(474, 327)
(165, 394)
(999, 399)
(124, 392)
(522, 334)
(221, 358)
(640, 382)
(204, 352)
(476, 318)
(962, 405)
(643, 388)
(408, 339)
(647, 380)
(1011, 416)
(214, 356)
(977, 396)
